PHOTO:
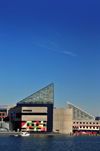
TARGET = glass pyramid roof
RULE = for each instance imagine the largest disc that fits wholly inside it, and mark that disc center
(43, 96)
(79, 114)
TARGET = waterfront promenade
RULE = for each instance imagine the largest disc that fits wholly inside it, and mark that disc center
(18, 133)
(46, 134)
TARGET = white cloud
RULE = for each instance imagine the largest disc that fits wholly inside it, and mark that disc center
(69, 53)
(55, 49)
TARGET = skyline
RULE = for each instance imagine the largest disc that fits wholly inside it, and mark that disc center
(51, 42)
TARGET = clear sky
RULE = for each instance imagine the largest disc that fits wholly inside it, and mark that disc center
(45, 41)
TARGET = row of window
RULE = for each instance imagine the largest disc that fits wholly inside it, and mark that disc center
(2, 110)
(85, 122)
(2, 114)
(91, 127)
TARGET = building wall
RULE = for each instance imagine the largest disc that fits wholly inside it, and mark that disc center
(49, 113)
(13, 113)
(3, 112)
(34, 109)
(35, 120)
(62, 120)
(8, 108)
(3, 115)
(34, 117)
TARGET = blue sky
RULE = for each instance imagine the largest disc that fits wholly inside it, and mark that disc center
(47, 41)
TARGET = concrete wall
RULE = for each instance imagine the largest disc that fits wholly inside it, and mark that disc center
(34, 117)
(8, 109)
(62, 120)
(34, 109)
(30, 110)
(17, 110)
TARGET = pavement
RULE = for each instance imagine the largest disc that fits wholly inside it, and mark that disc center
(35, 133)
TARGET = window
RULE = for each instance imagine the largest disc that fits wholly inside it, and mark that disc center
(73, 122)
(90, 127)
(80, 122)
(90, 122)
(80, 126)
(97, 123)
(77, 122)
(83, 122)
(18, 115)
(27, 110)
(93, 122)
(86, 127)
(33, 113)
(93, 127)
(97, 127)
(86, 122)
(83, 126)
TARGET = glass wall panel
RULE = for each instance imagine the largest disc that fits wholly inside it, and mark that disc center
(43, 96)
(79, 114)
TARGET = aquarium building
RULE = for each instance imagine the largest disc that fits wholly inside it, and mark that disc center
(35, 112)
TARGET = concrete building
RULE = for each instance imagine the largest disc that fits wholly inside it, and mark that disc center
(62, 120)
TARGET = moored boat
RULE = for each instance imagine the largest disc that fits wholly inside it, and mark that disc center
(25, 134)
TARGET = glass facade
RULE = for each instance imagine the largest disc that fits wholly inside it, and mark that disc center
(79, 114)
(43, 96)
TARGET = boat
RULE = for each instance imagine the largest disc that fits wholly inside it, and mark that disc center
(25, 134)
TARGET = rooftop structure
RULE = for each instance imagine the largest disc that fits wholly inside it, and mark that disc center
(79, 114)
(43, 96)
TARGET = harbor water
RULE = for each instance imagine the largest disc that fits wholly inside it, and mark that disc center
(50, 143)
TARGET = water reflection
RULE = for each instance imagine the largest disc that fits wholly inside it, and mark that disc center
(48, 143)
